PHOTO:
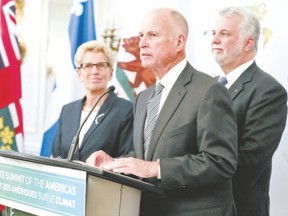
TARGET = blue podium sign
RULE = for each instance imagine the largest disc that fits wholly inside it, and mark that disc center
(42, 189)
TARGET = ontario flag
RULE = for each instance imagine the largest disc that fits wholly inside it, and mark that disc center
(11, 121)
(81, 29)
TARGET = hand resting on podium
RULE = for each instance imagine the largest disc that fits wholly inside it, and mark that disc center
(127, 166)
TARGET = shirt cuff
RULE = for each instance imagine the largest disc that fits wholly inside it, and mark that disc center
(159, 170)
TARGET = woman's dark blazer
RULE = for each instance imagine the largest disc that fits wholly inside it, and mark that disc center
(112, 132)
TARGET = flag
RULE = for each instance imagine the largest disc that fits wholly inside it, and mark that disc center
(142, 77)
(81, 29)
(10, 88)
(11, 121)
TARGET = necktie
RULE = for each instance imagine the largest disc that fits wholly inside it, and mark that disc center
(152, 113)
(223, 80)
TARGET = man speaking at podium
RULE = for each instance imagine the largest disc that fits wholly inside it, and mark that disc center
(191, 152)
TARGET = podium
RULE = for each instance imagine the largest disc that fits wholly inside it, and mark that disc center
(44, 186)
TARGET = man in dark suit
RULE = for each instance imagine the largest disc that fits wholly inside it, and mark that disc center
(260, 105)
(192, 153)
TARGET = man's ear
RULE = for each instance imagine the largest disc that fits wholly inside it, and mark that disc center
(181, 42)
(248, 44)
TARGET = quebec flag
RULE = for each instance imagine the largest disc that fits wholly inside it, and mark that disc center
(81, 29)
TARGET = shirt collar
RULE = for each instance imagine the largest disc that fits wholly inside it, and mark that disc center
(236, 73)
(170, 78)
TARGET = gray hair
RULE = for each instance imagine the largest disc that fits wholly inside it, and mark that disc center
(94, 46)
(250, 25)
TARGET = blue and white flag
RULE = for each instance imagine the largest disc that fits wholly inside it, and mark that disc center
(82, 28)
(82, 24)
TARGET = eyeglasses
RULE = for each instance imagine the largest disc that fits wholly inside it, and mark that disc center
(101, 66)
(222, 34)
(209, 33)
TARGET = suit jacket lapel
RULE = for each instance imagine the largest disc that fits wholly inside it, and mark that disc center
(102, 113)
(170, 106)
(76, 117)
(245, 77)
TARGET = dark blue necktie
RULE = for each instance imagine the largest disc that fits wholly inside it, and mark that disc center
(223, 80)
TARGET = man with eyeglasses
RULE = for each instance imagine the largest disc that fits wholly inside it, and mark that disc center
(105, 129)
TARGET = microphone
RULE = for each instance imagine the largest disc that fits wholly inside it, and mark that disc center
(75, 141)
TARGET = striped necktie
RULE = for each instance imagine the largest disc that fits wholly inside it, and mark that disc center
(152, 114)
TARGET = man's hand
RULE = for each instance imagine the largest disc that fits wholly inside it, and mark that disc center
(134, 166)
(97, 158)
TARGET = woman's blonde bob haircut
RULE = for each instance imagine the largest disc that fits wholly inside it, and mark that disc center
(94, 46)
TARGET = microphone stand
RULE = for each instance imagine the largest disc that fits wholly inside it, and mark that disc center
(75, 141)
